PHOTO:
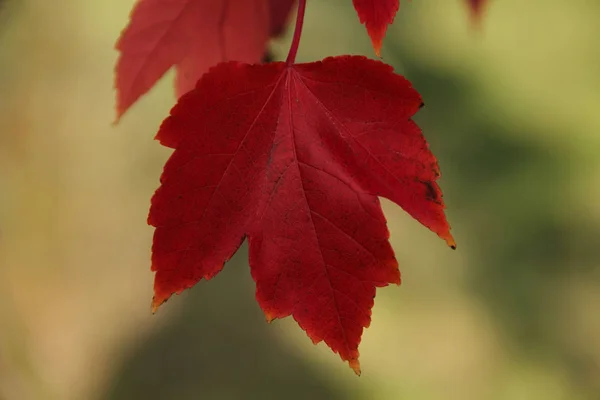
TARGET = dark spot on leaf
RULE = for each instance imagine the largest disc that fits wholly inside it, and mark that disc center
(430, 193)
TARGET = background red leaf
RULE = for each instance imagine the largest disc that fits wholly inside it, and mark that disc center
(279, 13)
(192, 34)
(476, 7)
(297, 171)
(376, 15)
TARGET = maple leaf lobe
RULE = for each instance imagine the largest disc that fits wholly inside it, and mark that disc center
(376, 15)
(294, 158)
(191, 35)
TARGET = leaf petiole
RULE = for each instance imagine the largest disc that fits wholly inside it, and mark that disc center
(291, 58)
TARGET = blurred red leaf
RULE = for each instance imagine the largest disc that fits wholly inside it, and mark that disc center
(476, 7)
(192, 35)
(376, 15)
(293, 158)
(279, 13)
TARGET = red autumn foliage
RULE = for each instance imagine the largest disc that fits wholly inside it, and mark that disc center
(279, 11)
(294, 157)
(376, 15)
(191, 35)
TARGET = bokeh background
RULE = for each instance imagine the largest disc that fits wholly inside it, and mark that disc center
(513, 115)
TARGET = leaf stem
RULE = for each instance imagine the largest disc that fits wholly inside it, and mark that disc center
(291, 58)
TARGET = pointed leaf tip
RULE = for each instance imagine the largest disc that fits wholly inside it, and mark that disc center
(156, 304)
(450, 241)
(355, 365)
(376, 15)
(377, 46)
(270, 317)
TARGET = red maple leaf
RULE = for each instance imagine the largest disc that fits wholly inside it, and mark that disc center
(294, 157)
(376, 15)
(192, 35)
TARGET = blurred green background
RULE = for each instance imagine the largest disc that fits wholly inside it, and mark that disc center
(513, 115)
